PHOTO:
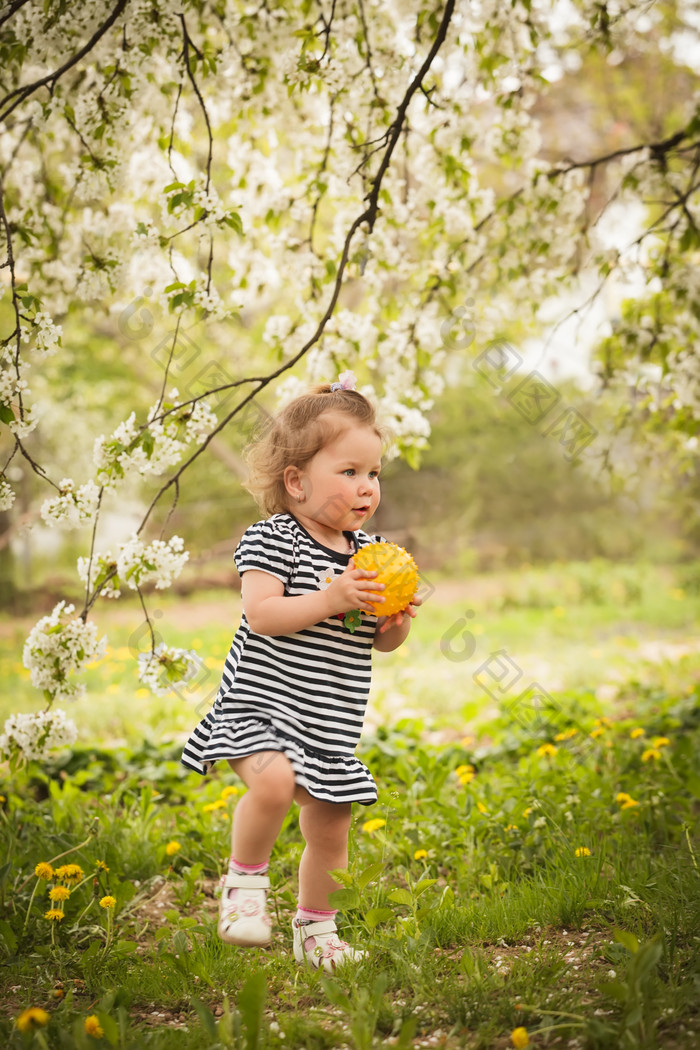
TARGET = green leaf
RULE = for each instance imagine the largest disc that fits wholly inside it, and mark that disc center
(401, 896)
(109, 1027)
(8, 936)
(206, 1018)
(422, 886)
(6, 413)
(346, 899)
(627, 940)
(251, 1004)
(376, 915)
(370, 874)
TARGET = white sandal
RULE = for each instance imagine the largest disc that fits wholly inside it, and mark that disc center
(244, 920)
(318, 945)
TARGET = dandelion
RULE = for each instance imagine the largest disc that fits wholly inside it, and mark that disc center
(519, 1038)
(566, 734)
(172, 848)
(651, 754)
(636, 733)
(481, 807)
(101, 866)
(625, 801)
(512, 827)
(211, 807)
(54, 915)
(583, 851)
(660, 741)
(93, 1027)
(59, 893)
(527, 812)
(3, 798)
(420, 854)
(32, 1018)
(44, 871)
(603, 722)
(370, 826)
(598, 731)
(108, 902)
(546, 749)
(70, 873)
(228, 791)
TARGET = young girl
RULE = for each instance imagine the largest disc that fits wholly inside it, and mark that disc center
(289, 711)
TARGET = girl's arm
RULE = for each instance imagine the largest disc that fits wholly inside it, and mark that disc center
(393, 630)
(269, 611)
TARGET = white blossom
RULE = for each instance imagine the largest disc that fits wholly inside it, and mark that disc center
(71, 508)
(56, 648)
(166, 667)
(30, 737)
(7, 493)
(134, 565)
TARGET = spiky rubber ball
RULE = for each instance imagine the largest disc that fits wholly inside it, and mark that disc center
(396, 570)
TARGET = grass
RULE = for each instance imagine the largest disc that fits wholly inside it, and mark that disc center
(528, 865)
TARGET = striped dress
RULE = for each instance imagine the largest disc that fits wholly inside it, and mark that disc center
(303, 694)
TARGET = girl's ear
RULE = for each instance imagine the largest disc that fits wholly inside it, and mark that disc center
(293, 484)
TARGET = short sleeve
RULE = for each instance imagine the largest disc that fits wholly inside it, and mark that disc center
(269, 547)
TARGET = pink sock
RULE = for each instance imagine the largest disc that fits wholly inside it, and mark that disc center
(235, 867)
(311, 915)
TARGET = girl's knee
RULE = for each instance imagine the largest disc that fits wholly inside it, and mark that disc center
(269, 777)
(325, 823)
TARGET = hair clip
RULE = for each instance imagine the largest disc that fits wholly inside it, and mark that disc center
(346, 381)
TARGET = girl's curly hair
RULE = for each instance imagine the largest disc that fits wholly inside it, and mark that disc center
(305, 426)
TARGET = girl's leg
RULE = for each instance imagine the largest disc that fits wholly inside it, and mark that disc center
(325, 827)
(243, 917)
(258, 816)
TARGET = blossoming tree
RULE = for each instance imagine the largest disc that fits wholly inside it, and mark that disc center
(335, 179)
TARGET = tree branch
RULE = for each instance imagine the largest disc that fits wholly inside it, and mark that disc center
(21, 94)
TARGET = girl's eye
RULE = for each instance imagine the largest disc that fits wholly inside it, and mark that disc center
(374, 473)
(349, 472)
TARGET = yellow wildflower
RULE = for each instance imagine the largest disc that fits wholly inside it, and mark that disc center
(54, 915)
(546, 749)
(603, 722)
(420, 854)
(461, 770)
(44, 871)
(93, 1027)
(519, 1038)
(229, 790)
(210, 807)
(101, 866)
(583, 851)
(3, 798)
(527, 812)
(481, 807)
(70, 873)
(32, 1018)
(59, 893)
(637, 732)
(650, 754)
(108, 901)
(598, 731)
(467, 741)
(172, 848)
(661, 741)
(466, 778)
(370, 826)
(512, 827)
(566, 734)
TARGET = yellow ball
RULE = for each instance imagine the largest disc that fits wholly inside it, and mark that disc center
(396, 570)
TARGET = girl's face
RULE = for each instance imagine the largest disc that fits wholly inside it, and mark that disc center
(339, 487)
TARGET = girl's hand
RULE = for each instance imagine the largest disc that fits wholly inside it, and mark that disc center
(385, 623)
(353, 589)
